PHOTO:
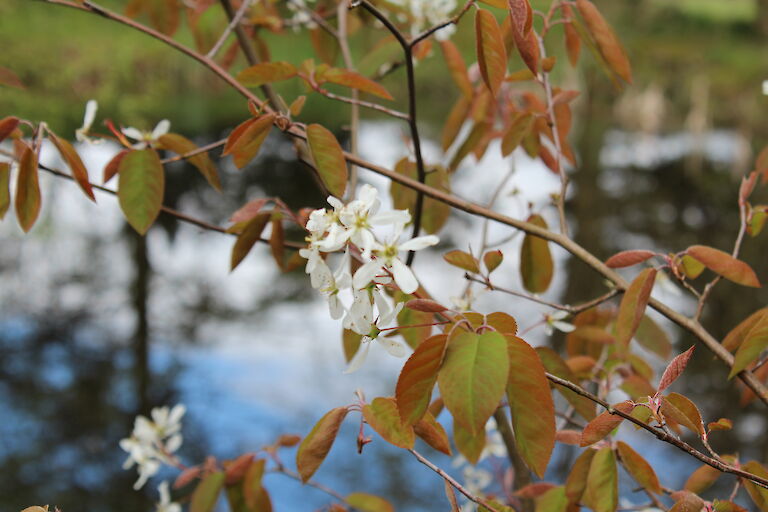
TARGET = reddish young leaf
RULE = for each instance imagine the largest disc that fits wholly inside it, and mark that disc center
(755, 341)
(455, 121)
(535, 490)
(653, 337)
(9, 78)
(27, 199)
(432, 433)
(675, 368)
(382, 415)
(207, 492)
(250, 235)
(576, 482)
(572, 437)
(469, 445)
(629, 258)
(450, 494)
(368, 503)
(329, 158)
(5, 188)
(235, 470)
(521, 14)
(556, 366)
(473, 377)
(502, 322)
(637, 387)
(721, 424)
(79, 172)
(536, 267)
(325, 45)
(315, 447)
(357, 81)
(691, 417)
(528, 47)
(686, 501)
(277, 241)
(164, 15)
(113, 166)
(601, 426)
(425, 306)
(463, 260)
(491, 54)
(414, 336)
(202, 162)
(594, 334)
(249, 210)
(702, 479)
(607, 43)
(245, 141)
(724, 264)
(418, 377)
(266, 72)
(632, 307)
(639, 468)
(602, 491)
(572, 39)
(531, 404)
(187, 476)
(457, 67)
(7, 125)
(518, 129)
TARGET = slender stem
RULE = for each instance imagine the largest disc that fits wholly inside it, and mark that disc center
(361, 103)
(354, 115)
(454, 20)
(324, 488)
(227, 31)
(194, 152)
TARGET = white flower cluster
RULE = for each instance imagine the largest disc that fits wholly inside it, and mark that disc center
(334, 230)
(301, 16)
(153, 442)
(428, 13)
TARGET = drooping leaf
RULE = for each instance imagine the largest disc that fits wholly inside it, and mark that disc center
(27, 199)
(266, 72)
(245, 141)
(7, 125)
(675, 368)
(702, 479)
(5, 190)
(556, 366)
(536, 267)
(474, 142)
(450, 494)
(469, 445)
(369, 503)
(691, 417)
(74, 162)
(315, 447)
(382, 415)
(357, 81)
(755, 341)
(629, 258)
(462, 260)
(454, 122)
(252, 482)
(329, 158)
(418, 377)
(249, 236)
(491, 54)
(572, 39)
(432, 433)
(603, 424)
(605, 39)
(632, 307)
(652, 337)
(602, 492)
(724, 264)
(457, 67)
(519, 127)
(113, 166)
(141, 185)
(530, 400)
(473, 377)
(639, 468)
(207, 492)
(202, 162)
(758, 494)
(576, 482)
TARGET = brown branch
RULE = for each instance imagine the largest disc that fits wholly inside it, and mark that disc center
(194, 152)
(324, 488)
(362, 103)
(454, 20)
(233, 23)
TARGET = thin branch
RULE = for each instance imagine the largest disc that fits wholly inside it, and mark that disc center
(324, 488)
(454, 20)
(194, 152)
(354, 121)
(362, 103)
(227, 31)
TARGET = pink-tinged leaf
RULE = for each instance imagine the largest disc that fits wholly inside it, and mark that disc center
(492, 260)
(721, 424)
(758, 494)
(686, 501)
(357, 81)
(315, 447)
(639, 468)
(535, 490)
(576, 482)
(738, 334)
(473, 377)
(502, 322)
(755, 341)
(602, 491)
(457, 67)
(564, 97)
(602, 425)
(536, 266)
(747, 187)
(7, 125)
(521, 14)
(451, 495)
(594, 334)
(555, 365)
(382, 415)
(140, 189)
(235, 470)
(27, 199)
(571, 437)
(9, 78)
(247, 238)
(469, 445)
(113, 166)
(531, 404)
(329, 159)
(724, 264)
(691, 417)
(432, 433)
(632, 307)
(675, 368)
(369, 503)
(266, 72)
(572, 39)
(702, 479)
(5, 188)
(79, 172)
(629, 258)
(187, 476)
(462, 260)
(245, 141)
(605, 39)
(418, 377)
(528, 47)
(518, 129)
(652, 337)
(425, 306)
(454, 122)
(202, 162)
(249, 210)
(637, 387)
(491, 54)
(207, 492)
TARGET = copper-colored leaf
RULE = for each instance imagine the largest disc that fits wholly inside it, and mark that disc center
(7, 125)
(724, 264)
(528, 47)
(605, 39)
(266, 72)
(425, 305)
(556, 366)
(632, 307)
(686, 501)
(675, 368)
(602, 492)
(629, 258)
(572, 39)
(277, 241)
(329, 158)
(492, 260)
(457, 67)
(530, 400)
(369, 503)
(502, 322)
(601, 426)
(432, 433)
(519, 127)
(382, 415)
(113, 166)
(74, 162)
(576, 482)
(653, 337)
(245, 141)
(469, 445)
(736, 336)
(462, 260)
(164, 15)
(639, 468)
(249, 236)
(721, 424)
(691, 417)
(357, 81)
(207, 492)
(491, 54)
(418, 377)
(235, 470)
(454, 122)
(252, 482)
(702, 479)
(27, 199)
(521, 15)
(758, 494)
(755, 341)
(536, 266)
(572, 437)
(315, 447)
(5, 190)
(202, 162)
(249, 210)
(594, 334)
(451, 495)
(187, 476)
(9, 78)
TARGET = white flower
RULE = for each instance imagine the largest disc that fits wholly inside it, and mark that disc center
(334, 283)
(765, 87)
(387, 315)
(427, 13)
(165, 504)
(555, 321)
(144, 139)
(81, 134)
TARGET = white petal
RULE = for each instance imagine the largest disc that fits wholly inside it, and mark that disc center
(404, 276)
(335, 307)
(335, 202)
(161, 129)
(563, 326)
(132, 133)
(90, 114)
(176, 413)
(394, 348)
(174, 443)
(366, 274)
(418, 243)
(362, 353)
(393, 217)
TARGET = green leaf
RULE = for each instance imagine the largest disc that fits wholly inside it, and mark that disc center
(736, 337)
(432, 433)
(5, 190)
(140, 188)
(755, 341)
(758, 494)
(382, 415)
(691, 267)
(329, 158)
(702, 479)
(202, 162)
(602, 492)
(691, 417)
(351, 343)
(502, 322)
(418, 377)
(369, 503)
(491, 54)
(245, 141)
(632, 307)
(28, 200)
(555, 365)
(79, 172)
(249, 236)
(357, 81)
(554, 500)
(492, 260)
(469, 445)
(414, 336)
(536, 267)
(639, 468)
(252, 488)
(266, 72)
(207, 492)
(530, 400)
(576, 482)
(315, 447)
(473, 377)
(724, 264)
(601, 426)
